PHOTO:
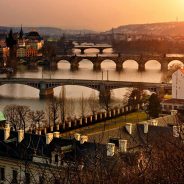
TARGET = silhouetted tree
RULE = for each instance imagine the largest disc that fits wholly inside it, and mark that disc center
(154, 107)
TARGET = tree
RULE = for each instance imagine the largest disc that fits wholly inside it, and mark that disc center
(93, 102)
(82, 105)
(135, 96)
(17, 115)
(62, 104)
(52, 111)
(37, 117)
(154, 107)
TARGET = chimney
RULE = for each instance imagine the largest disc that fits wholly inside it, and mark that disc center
(56, 134)
(51, 128)
(6, 131)
(174, 112)
(176, 130)
(96, 117)
(109, 114)
(91, 118)
(49, 137)
(77, 136)
(45, 130)
(83, 139)
(20, 135)
(123, 146)
(39, 132)
(57, 127)
(129, 128)
(154, 122)
(146, 126)
(110, 149)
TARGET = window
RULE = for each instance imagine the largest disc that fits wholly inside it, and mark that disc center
(15, 174)
(56, 158)
(2, 173)
(27, 178)
(175, 108)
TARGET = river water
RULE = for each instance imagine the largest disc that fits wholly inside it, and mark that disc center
(24, 95)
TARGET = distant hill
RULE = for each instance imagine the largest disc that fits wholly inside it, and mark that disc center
(166, 29)
(50, 31)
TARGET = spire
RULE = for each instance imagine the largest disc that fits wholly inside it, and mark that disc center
(21, 33)
(10, 41)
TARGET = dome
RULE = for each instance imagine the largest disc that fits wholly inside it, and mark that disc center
(33, 33)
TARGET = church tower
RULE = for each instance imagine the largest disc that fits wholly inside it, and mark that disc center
(21, 33)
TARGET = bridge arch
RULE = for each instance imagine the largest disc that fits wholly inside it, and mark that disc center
(153, 64)
(178, 62)
(19, 90)
(77, 93)
(63, 64)
(107, 50)
(86, 63)
(108, 64)
(130, 64)
(76, 51)
(91, 50)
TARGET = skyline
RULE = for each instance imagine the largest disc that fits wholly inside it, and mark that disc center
(89, 14)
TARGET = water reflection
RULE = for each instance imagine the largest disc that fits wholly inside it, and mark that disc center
(20, 94)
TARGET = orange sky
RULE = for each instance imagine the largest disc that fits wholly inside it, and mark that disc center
(97, 15)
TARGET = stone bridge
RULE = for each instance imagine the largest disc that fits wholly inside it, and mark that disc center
(101, 47)
(46, 86)
(97, 60)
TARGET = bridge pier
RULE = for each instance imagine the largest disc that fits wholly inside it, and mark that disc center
(141, 67)
(101, 51)
(82, 51)
(119, 64)
(97, 66)
(53, 65)
(164, 66)
(46, 93)
(74, 66)
(104, 95)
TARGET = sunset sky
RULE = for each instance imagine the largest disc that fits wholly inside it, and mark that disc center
(97, 15)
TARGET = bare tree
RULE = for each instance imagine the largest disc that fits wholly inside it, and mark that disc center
(17, 115)
(70, 107)
(37, 117)
(82, 103)
(62, 104)
(52, 111)
(93, 102)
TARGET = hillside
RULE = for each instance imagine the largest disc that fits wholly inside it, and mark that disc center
(166, 29)
(45, 30)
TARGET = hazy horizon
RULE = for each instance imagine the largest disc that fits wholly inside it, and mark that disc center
(96, 15)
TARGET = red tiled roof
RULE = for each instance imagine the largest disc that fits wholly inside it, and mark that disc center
(174, 101)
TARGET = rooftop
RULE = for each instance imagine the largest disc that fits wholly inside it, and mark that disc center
(174, 101)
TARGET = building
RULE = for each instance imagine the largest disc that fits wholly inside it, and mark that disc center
(31, 52)
(172, 104)
(46, 157)
(34, 40)
(21, 52)
(177, 100)
(32, 158)
(178, 84)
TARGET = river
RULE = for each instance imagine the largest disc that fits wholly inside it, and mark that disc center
(24, 95)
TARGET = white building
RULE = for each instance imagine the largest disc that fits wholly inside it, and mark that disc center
(178, 84)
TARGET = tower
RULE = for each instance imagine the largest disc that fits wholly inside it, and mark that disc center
(11, 42)
(21, 33)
